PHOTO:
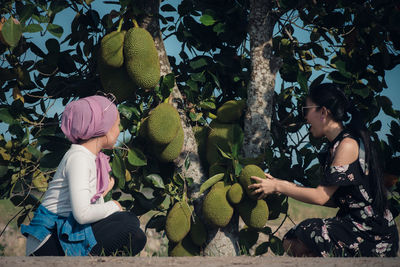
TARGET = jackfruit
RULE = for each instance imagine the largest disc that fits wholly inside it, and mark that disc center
(111, 49)
(235, 193)
(141, 58)
(221, 135)
(231, 111)
(116, 81)
(177, 224)
(198, 232)
(163, 124)
(172, 150)
(222, 184)
(184, 248)
(216, 208)
(245, 180)
(253, 212)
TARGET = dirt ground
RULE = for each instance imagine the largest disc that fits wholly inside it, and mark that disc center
(195, 261)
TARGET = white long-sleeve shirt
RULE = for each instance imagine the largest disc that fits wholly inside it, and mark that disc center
(71, 189)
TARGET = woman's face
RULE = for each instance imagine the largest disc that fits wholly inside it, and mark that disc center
(113, 134)
(314, 117)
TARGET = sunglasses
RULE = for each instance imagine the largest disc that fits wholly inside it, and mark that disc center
(304, 110)
(109, 96)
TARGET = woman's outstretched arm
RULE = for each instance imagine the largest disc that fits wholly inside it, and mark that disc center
(346, 153)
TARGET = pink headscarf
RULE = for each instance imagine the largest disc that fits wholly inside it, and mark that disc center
(89, 117)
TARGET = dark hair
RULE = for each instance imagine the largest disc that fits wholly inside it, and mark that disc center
(332, 97)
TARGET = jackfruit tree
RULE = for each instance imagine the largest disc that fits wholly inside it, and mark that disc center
(199, 116)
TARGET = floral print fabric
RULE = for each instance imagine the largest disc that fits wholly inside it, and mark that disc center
(356, 230)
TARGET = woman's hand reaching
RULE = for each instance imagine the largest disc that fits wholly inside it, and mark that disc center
(264, 187)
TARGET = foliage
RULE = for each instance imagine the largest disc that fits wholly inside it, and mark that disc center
(352, 43)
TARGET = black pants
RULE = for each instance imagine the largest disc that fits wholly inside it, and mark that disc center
(119, 232)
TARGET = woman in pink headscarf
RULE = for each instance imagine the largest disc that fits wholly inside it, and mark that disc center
(73, 218)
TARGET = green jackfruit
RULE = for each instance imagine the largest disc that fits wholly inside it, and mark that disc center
(198, 232)
(235, 193)
(185, 248)
(254, 212)
(231, 111)
(111, 49)
(245, 180)
(172, 150)
(216, 208)
(141, 58)
(221, 135)
(177, 224)
(116, 81)
(163, 124)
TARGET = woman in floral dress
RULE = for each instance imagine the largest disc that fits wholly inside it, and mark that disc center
(352, 181)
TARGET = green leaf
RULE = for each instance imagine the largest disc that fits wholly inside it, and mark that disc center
(341, 66)
(207, 20)
(5, 116)
(262, 248)
(337, 77)
(136, 157)
(55, 29)
(168, 8)
(3, 170)
(317, 81)
(201, 62)
(319, 51)
(223, 154)
(187, 163)
(33, 28)
(27, 12)
(219, 28)
(129, 112)
(276, 245)
(302, 80)
(195, 116)
(198, 77)
(155, 180)
(207, 105)
(118, 169)
(211, 181)
(11, 32)
(34, 151)
(53, 46)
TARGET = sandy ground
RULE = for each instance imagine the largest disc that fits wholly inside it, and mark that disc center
(195, 261)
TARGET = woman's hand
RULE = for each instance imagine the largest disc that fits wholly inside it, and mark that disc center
(119, 205)
(263, 187)
(110, 186)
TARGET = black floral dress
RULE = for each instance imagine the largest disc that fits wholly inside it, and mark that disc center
(356, 230)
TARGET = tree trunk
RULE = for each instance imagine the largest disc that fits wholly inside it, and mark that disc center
(260, 91)
(221, 242)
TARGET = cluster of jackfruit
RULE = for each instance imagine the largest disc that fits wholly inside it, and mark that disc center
(164, 130)
(185, 232)
(128, 60)
(223, 198)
